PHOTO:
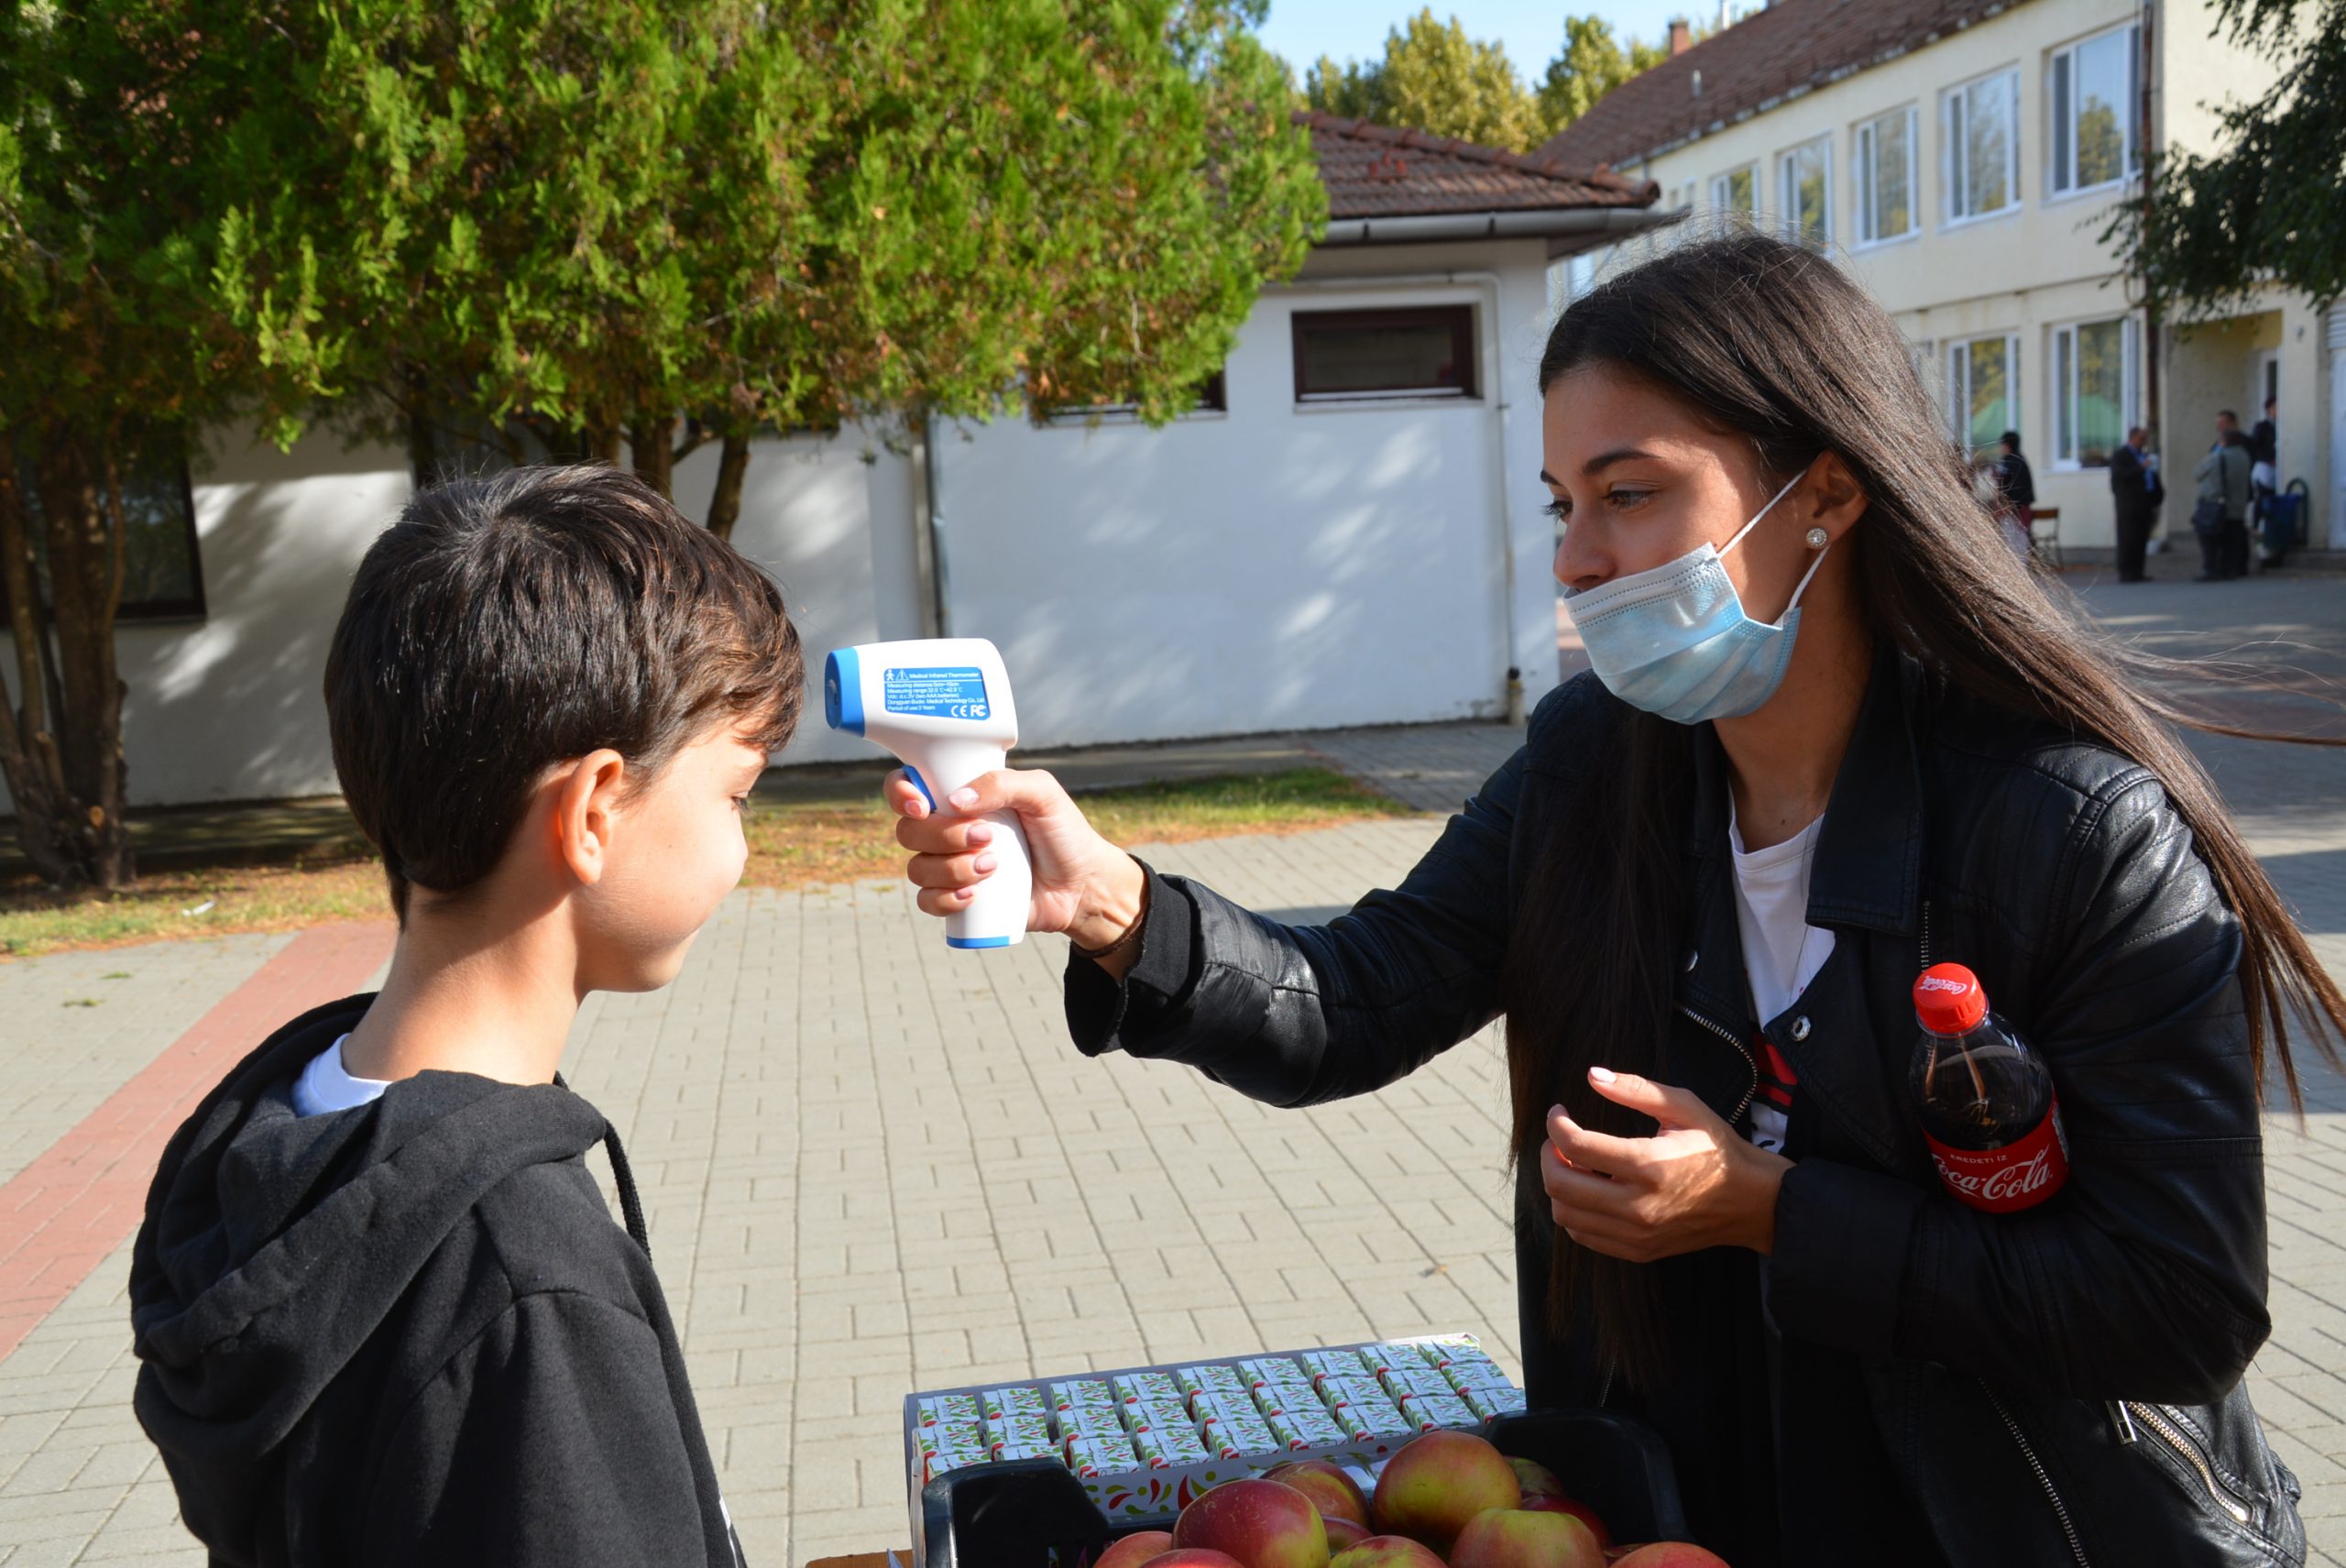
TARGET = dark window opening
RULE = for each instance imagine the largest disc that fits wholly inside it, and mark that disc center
(1212, 396)
(162, 573)
(1426, 352)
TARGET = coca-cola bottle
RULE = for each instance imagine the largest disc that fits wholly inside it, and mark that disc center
(1988, 1110)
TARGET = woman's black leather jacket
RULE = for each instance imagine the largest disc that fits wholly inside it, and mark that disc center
(2061, 1385)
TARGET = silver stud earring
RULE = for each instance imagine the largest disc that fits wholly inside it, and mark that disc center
(1818, 539)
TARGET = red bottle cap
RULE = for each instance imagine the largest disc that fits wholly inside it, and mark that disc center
(1949, 1000)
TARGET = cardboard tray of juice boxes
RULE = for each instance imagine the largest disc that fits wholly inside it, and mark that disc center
(1049, 1471)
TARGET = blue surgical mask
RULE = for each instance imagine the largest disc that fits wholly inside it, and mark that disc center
(1675, 640)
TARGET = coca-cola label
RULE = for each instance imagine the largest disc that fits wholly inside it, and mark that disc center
(2020, 1174)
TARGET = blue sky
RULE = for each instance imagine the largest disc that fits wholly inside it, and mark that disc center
(1532, 30)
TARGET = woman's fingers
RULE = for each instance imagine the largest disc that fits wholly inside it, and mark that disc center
(943, 835)
(1582, 1192)
(1670, 1107)
(941, 901)
(1030, 792)
(949, 871)
(904, 797)
(1595, 1151)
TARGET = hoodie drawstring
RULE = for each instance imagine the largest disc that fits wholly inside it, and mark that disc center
(631, 1205)
(623, 1175)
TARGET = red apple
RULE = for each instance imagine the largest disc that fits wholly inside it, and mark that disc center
(1537, 1479)
(1518, 1538)
(1386, 1551)
(1335, 1493)
(1436, 1482)
(1671, 1554)
(1137, 1549)
(1192, 1557)
(1263, 1524)
(1343, 1532)
(1560, 1504)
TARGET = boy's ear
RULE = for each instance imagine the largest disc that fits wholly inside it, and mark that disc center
(586, 801)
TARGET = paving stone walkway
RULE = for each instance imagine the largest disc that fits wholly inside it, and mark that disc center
(873, 1166)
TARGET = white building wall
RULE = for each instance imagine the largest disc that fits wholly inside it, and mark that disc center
(1274, 566)
(1281, 564)
(230, 707)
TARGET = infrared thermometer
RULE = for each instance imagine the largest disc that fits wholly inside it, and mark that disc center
(942, 704)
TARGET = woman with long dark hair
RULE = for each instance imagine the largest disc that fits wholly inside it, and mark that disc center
(1835, 732)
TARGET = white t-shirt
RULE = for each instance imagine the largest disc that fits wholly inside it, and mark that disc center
(324, 1085)
(1781, 953)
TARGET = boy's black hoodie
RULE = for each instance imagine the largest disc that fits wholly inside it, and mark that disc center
(411, 1333)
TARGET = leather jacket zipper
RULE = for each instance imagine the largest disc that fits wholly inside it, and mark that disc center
(2224, 1497)
(1724, 1033)
(2060, 1509)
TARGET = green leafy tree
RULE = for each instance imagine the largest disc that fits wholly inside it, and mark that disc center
(567, 226)
(1591, 64)
(2261, 207)
(1434, 77)
(605, 219)
(120, 144)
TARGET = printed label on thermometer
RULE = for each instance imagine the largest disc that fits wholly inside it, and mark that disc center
(934, 693)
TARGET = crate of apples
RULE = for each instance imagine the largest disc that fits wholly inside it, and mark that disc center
(1447, 1499)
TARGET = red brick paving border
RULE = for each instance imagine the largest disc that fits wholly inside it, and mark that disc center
(64, 1214)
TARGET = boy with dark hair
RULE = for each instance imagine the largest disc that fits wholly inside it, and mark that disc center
(383, 1313)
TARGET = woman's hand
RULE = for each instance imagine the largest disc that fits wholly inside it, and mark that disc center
(1084, 886)
(1695, 1183)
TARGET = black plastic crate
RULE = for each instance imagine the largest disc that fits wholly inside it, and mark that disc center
(1032, 1513)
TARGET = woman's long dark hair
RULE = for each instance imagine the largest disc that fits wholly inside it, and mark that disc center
(1768, 341)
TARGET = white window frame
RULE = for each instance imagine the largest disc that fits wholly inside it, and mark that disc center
(1863, 138)
(1959, 385)
(2061, 182)
(1922, 353)
(1951, 165)
(1720, 187)
(2061, 370)
(1789, 203)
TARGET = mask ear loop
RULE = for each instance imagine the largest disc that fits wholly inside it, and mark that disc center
(1763, 511)
(1804, 578)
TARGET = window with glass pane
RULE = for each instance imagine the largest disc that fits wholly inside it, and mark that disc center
(1733, 191)
(1979, 379)
(2092, 366)
(1983, 146)
(1808, 175)
(1886, 177)
(1426, 353)
(2094, 96)
(162, 576)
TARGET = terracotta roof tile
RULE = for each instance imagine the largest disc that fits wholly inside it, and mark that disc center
(1375, 172)
(1791, 46)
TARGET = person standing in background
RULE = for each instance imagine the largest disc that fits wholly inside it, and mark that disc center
(2264, 477)
(2220, 516)
(2264, 446)
(2018, 487)
(2135, 492)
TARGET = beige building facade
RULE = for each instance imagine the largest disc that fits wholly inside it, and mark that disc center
(1967, 172)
